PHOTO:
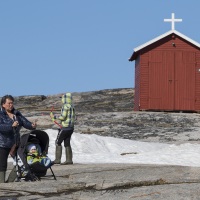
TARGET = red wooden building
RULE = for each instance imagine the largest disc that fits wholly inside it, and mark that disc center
(167, 74)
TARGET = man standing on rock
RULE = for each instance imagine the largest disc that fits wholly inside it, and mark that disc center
(67, 118)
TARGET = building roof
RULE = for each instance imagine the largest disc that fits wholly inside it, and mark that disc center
(137, 49)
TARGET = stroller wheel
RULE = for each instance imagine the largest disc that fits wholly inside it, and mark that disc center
(31, 177)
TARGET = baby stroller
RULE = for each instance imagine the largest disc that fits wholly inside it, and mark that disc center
(36, 170)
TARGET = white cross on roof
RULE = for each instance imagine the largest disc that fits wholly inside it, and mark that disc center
(173, 20)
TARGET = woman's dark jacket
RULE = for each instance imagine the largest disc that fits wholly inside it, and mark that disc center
(7, 132)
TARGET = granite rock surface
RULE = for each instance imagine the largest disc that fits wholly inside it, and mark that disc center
(110, 113)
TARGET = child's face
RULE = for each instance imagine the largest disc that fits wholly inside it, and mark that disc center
(33, 150)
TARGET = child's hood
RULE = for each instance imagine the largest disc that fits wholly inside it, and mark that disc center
(67, 98)
(31, 147)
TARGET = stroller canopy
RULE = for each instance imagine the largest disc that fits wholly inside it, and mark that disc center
(36, 137)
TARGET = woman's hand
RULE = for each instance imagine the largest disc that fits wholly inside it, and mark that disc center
(34, 124)
(15, 124)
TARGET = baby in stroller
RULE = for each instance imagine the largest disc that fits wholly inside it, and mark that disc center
(30, 160)
(34, 155)
(36, 158)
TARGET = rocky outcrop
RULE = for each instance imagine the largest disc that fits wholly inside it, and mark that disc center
(86, 103)
(109, 181)
(143, 126)
(114, 100)
(110, 113)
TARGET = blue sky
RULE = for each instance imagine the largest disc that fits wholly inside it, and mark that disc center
(56, 46)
